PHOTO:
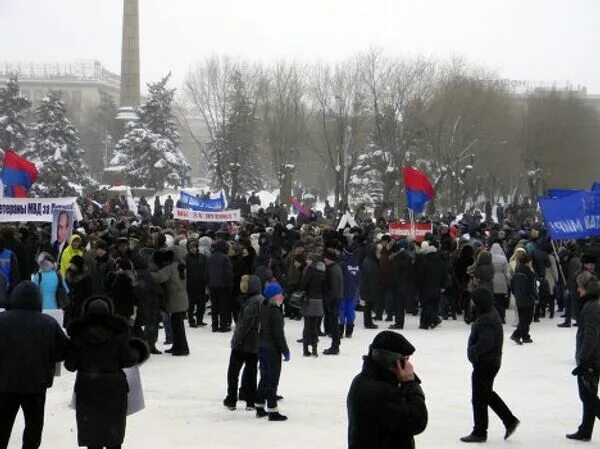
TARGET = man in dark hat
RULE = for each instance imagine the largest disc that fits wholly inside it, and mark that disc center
(485, 354)
(386, 405)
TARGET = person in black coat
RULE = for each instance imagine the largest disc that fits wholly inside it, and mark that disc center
(101, 348)
(334, 291)
(244, 345)
(122, 291)
(272, 347)
(313, 286)
(386, 405)
(523, 287)
(31, 344)
(587, 353)
(402, 275)
(369, 285)
(484, 351)
(195, 264)
(432, 281)
(219, 278)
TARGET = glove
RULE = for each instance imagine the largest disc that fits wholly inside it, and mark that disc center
(287, 356)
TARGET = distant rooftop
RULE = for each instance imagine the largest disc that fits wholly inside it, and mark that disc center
(82, 70)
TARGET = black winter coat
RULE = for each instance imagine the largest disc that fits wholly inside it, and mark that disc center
(31, 344)
(334, 282)
(522, 285)
(402, 271)
(588, 333)
(369, 277)
(123, 294)
(487, 335)
(245, 336)
(381, 414)
(313, 282)
(219, 271)
(195, 265)
(432, 275)
(99, 270)
(272, 335)
(101, 348)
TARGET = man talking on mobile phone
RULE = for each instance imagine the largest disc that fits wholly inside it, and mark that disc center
(386, 405)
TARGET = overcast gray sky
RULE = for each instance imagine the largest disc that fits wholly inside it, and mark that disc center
(521, 39)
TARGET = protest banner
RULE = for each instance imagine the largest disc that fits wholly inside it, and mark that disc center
(416, 231)
(194, 215)
(35, 209)
(574, 216)
(189, 201)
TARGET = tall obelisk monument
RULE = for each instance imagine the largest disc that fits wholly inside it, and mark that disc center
(130, 61)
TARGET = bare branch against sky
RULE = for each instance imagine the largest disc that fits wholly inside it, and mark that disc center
(538, 40)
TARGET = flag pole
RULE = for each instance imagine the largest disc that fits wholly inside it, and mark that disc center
(560, 269)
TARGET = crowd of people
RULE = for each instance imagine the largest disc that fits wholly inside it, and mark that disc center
(123, 276)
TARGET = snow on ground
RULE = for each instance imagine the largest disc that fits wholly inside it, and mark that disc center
(184, 395)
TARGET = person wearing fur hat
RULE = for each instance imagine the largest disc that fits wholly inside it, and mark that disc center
(272, 347)
(101, 348)
(386, 405)
(484, 351)
(31, 343)
(195, 265)
(244, 345)
(587, 353)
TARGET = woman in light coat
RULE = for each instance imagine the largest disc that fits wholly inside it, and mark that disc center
(501, 268)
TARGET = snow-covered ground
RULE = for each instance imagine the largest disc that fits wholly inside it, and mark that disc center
(184, 395)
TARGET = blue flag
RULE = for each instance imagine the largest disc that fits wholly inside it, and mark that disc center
(189, 201)
(596, 187)
(561, 193)
(574, 216)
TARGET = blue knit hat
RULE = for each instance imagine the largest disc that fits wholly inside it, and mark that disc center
(272, 290)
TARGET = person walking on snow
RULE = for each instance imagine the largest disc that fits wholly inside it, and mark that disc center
(273, 346)
(484, 351)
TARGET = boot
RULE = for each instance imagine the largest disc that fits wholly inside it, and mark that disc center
(230, 403)
(473, 439)
(332, 351)
(341, 331)
(260, 412)
(349, 330)
(565, 324)
(510, 429)
(193, 323)
(578, 436)
(315, 353)
(306, 352)
(276, 416)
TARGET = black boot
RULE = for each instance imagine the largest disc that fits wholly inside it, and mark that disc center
(473, 439)
(341, 331)
(315, 353)
(230, 403)
(261, 412)
(349, 330)
(578, 436)
(332, 351)
(276, 416)
(306, 352)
